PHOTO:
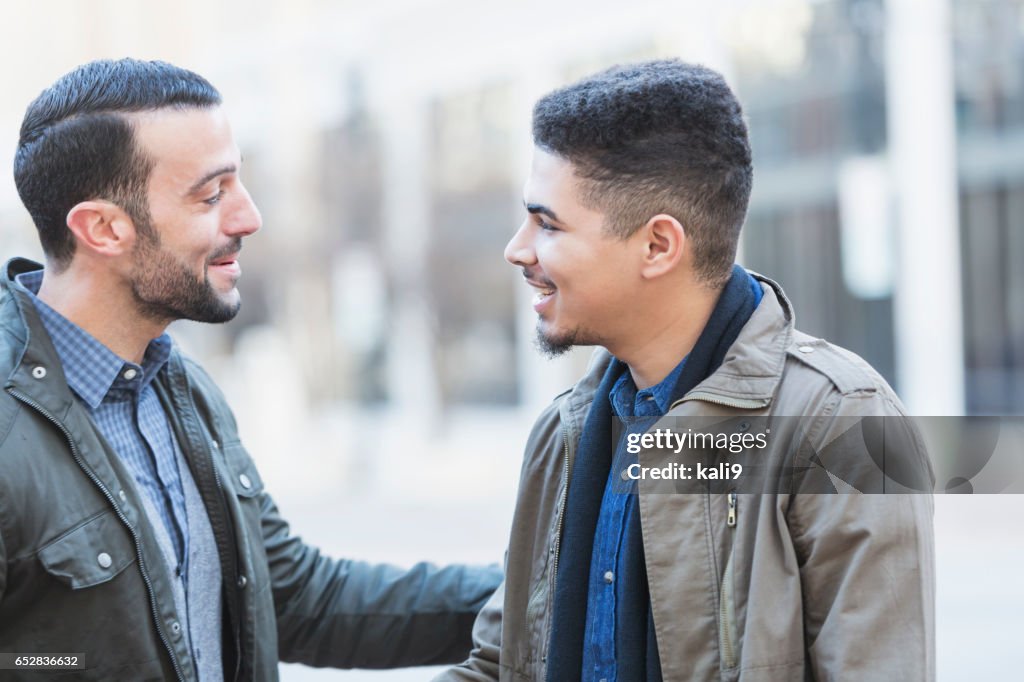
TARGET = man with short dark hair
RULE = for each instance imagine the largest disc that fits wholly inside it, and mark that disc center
(134, 528)
(639, 186)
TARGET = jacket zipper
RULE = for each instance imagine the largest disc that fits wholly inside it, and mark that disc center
(120, 515)
(561, 509)
(726, 616)
(738, 403)
(531, 607)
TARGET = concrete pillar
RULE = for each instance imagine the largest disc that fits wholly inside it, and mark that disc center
(922, 151)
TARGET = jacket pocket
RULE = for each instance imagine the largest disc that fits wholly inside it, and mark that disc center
(90, 554)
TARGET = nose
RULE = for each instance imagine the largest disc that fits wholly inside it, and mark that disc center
(245, 219)
(519, 250)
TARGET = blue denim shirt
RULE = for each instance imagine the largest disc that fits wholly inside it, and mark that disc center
(616, 519)
(612, 525)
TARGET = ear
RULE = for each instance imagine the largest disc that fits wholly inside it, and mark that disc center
(665, 244)
(101, 227)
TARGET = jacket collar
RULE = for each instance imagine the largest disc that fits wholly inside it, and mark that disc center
(750, 373)
(36, 368)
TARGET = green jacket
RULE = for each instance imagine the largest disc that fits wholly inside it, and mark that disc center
(64, 500)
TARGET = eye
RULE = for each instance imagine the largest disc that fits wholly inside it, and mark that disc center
(215, 199)
(546, 226)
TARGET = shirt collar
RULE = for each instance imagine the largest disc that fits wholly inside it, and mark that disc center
(93, 371)
(627, 401)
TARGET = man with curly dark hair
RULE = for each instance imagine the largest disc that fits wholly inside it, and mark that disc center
(639, 186)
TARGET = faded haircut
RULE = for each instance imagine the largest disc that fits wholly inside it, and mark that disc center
(657, 137)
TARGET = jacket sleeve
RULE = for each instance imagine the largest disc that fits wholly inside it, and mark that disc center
(353, 614)
(483, 663)
(867, 566)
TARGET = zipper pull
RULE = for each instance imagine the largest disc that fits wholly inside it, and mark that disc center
(731, 521)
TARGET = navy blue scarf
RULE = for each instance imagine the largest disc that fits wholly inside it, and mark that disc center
(636, 647)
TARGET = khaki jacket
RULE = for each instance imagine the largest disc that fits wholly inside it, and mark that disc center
(793, 587)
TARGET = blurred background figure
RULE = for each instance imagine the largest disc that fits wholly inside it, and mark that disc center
(387, 143)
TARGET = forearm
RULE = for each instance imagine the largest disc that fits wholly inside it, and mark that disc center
(359, 615)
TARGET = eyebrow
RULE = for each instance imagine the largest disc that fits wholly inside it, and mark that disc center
(542, 209)
(223, 170)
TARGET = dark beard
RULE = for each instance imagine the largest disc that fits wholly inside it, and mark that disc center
(554, 346)
(166, 290)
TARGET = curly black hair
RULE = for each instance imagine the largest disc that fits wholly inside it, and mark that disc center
(76, 143)
(657, 137)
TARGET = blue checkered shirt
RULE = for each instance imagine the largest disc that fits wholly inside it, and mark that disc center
(123, 404)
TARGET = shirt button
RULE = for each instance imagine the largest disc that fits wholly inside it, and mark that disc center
(242, 581)
(129, 374)
(104, 560)
(244, 480)
(176, 628)
(609, 576)
(39, 372)
(806, 349)
(122, 495)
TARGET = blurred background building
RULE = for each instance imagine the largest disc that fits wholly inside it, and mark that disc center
(382, 367)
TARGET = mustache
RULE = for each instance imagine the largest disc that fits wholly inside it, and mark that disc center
(233, 246)
(535, 276)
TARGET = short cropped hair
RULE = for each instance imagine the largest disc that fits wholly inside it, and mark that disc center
(77, 145)
(657, 137)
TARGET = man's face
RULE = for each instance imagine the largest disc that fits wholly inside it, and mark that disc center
(584, 277)
(185, 260)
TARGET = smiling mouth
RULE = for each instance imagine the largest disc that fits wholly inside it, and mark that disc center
(227, 255)
(544, 292)
(226, 266)
(543, 295)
